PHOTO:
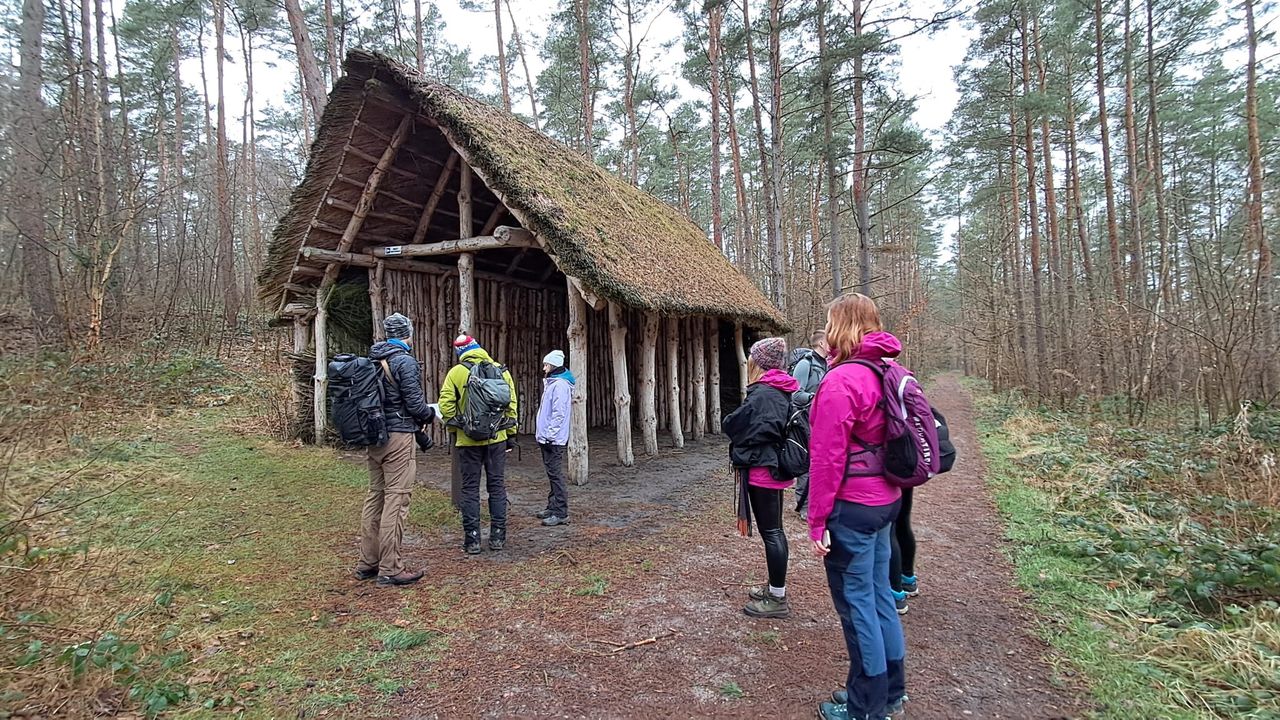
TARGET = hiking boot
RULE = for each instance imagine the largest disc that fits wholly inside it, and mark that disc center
(900, 600)
(406, 577)
(768, 607)
(833, 711)
(897, 706)
(910, 586)
(369, 574)
(759, 592)
(471, 542)
(542, 514)
(554, 520)
(497, 539)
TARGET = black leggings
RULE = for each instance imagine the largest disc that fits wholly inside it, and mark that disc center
(903, 559)
(766, 505)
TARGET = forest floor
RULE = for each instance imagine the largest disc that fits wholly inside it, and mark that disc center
(181, 561)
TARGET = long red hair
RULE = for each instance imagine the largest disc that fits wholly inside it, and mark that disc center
(849, 318)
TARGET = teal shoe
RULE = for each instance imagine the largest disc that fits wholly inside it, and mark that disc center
(910, 586)
(833, 711)
(900, 600)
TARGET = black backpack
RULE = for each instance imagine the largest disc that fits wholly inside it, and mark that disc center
(793, 453)
(817, 369)
(487, 397)
(355, 398)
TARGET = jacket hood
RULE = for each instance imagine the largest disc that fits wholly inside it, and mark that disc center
(475, 356)
(563, 374)
(878, 345)
(780, 380)
(384, 350)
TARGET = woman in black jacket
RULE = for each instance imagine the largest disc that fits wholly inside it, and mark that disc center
(755, 431)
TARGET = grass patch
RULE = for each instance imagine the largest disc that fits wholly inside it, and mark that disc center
(1156, 583)
(398, 639)
(596, 585)
(730, 690)
(765, 638)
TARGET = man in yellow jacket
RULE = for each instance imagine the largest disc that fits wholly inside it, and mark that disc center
(480, 439)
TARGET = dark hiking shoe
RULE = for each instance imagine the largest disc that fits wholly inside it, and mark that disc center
(759, 592)
(554, 520)
(542, 514)
(369, 574)
(841, 697)
(910, 586)
(406, 577)
(900, 600)
(471, 543)
(833, 711)
(769, 607)
(497, 539)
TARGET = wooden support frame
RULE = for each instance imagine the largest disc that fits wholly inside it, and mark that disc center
(494, 217)
(321, 388)
(647, 384)
(713, 362)
(503, 238)
(376, 215)
(698, 338)
(442, 182)
(621, 380)
(466, 261)
(742, 360)
(673, 381)
(423, 266)
(375, 301)
(579, 452)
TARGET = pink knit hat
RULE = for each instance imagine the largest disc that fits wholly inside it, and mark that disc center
(770, 353)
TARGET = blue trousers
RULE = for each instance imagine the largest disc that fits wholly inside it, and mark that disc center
(858, 575)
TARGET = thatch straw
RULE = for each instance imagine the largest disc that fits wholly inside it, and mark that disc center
(622, 242)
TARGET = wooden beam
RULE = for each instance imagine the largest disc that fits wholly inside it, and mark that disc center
(517, 239)
(466, 294)
(375, 300)
(374, 131)
(307, 271)
(442, 182)
(647, 384)
(296, 310)
(673, 381)
(466, 227)
(299, 289)
(515, 262)
(595, 301)
(713, 362)
(579, 462)
(354, 182)
(409, 174)
(699, 377)
(364, 234)
(621, 380)
(301, 338)
(422, 266)
(321, 380)
(498, 211)
(367, 213)
(742, 361)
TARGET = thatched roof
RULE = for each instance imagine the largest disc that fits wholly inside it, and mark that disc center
(617, 239)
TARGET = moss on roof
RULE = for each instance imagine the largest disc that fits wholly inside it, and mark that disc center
(619, 240)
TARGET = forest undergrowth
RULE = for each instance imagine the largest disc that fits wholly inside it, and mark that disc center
(1156, 551)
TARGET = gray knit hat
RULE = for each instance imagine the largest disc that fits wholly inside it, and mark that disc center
(770, 353)
(398, 326)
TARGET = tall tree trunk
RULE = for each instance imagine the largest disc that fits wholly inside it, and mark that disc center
(502, 55)
(829, 152)
(1263, 310)
(743, 226)
(419, 52)
(1039, 362)
(528, 76)
(861, 207)
(1156, 159)
(331, 40)
(631, 133)
(766, 170)
(715, 18)
(1113, 234)
(1057, 283)
(775, 148)
(225, 249)
(583, 14)
(312, 80)
(1137, 272)
(1025, 360)
(28, 210)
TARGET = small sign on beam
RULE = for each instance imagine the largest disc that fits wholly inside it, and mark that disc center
(393, 251)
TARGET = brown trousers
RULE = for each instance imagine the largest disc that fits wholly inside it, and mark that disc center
(392, 469)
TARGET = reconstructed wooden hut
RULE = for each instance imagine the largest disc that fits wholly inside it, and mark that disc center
(463, 218)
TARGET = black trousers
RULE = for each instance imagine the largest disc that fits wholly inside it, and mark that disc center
(492, 459)
(553, 461)
(902, 561)
(766, 506)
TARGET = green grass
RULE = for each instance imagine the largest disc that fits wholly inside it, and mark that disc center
(730, 690)
(1116, 610)
(596, 585)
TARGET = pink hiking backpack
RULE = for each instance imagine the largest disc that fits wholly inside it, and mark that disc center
(916, 441)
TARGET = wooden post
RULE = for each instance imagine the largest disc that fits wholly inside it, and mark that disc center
(673, 381)
(699, 328)
(742, 361)
(424, 220)
(375, 300)
(466, 261)
(647, 385)
(578, 451)
(301, 338)
(713, 360)
(321, 388)
(621, 379)
(466, 293)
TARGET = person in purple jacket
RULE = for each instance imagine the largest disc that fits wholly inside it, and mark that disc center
(851, 515)
(552, 434)
(755, 431)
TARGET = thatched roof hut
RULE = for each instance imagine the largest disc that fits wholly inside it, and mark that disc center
(461, 216)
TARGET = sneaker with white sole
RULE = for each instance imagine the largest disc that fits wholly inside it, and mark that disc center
(768, 607)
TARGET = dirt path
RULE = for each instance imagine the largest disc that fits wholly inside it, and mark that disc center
(652, 553)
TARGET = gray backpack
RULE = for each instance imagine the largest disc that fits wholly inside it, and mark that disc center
(487, 397)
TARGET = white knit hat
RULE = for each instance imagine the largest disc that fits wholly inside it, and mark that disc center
(555, 358)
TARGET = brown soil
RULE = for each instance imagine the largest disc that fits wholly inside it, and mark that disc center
(652, 553)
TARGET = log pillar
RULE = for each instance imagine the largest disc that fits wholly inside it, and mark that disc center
(578, 451)
(375, 300)
(466, 261)
(698, 338)
(742, 361)
(321, 386)
(621, 379)
(647, 384)
(713, 360)
(673, 381)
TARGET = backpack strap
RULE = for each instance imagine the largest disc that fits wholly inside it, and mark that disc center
(387, 369)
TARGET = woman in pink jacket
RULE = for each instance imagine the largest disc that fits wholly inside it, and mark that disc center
(851, 515)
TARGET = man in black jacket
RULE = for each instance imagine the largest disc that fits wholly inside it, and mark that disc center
(392, 467)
